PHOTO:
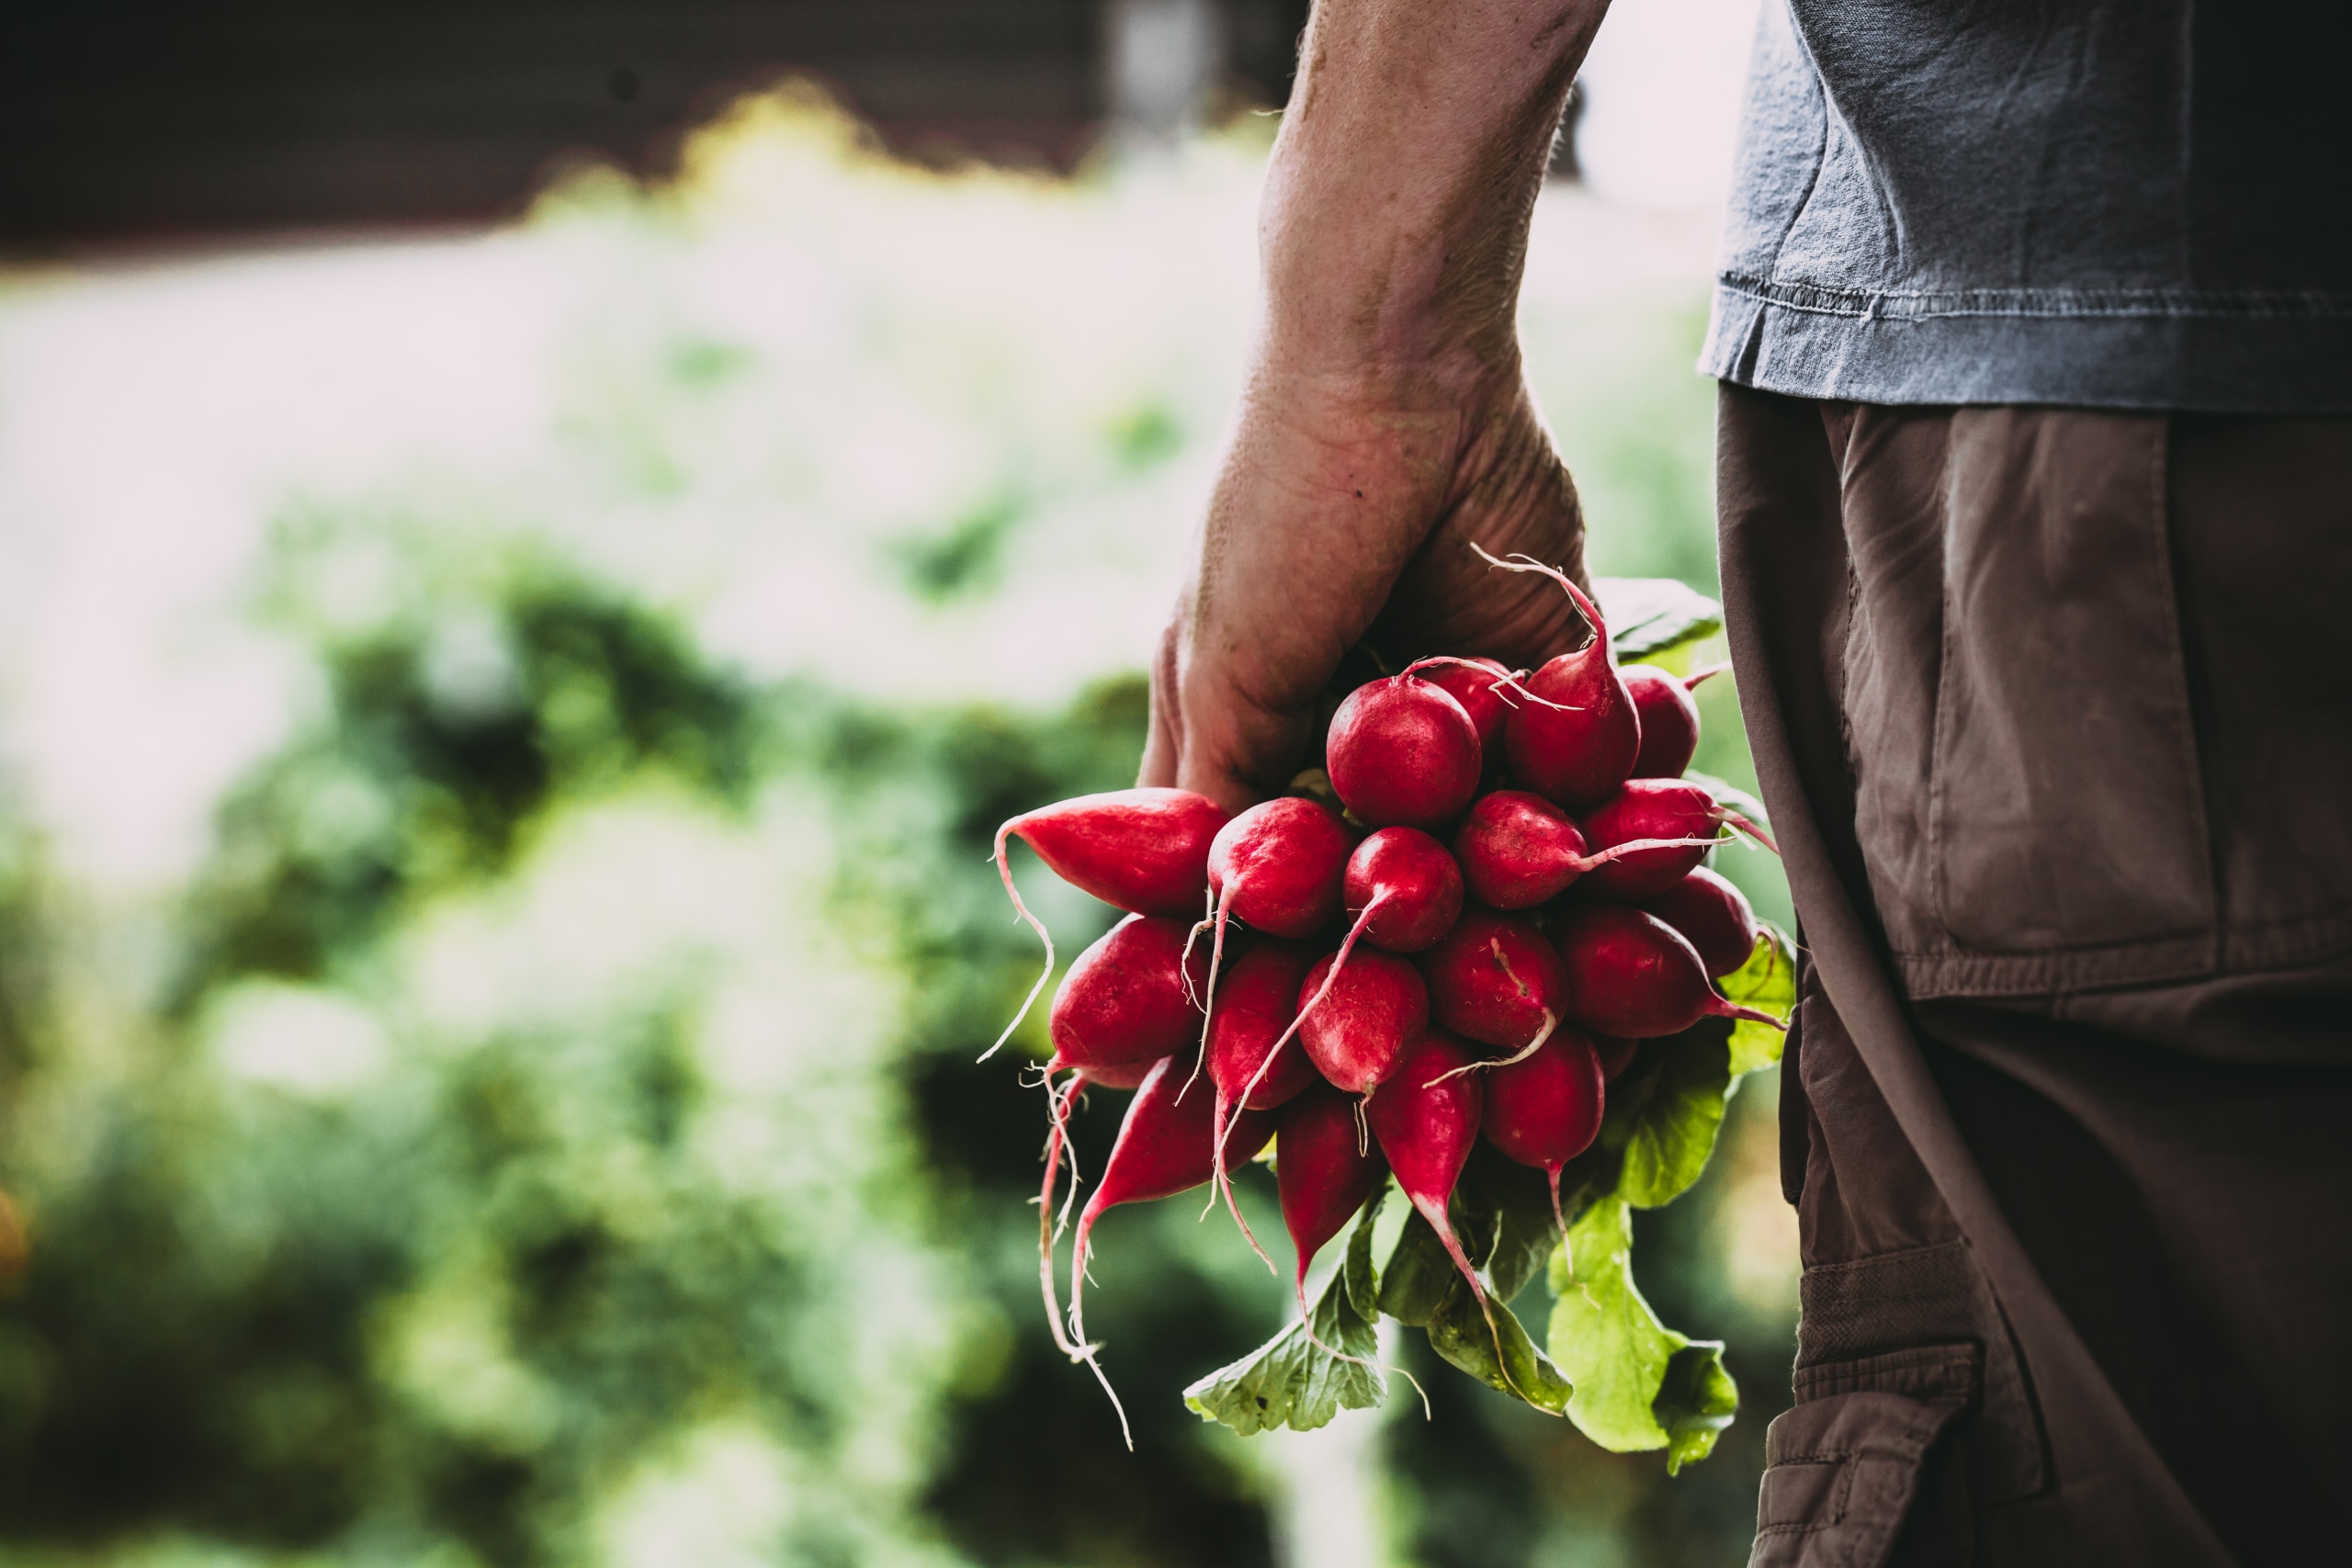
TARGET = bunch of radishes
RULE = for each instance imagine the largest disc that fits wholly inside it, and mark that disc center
(1467, 930)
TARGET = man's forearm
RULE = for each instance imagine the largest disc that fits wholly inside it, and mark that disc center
(1394, 226)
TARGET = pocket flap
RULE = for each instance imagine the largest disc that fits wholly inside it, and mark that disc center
(1841, 1475)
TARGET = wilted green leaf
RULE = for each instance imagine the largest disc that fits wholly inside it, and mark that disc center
(1605, 1338)
(1650, 617)
(1417, 1273)
(1669, 1139)
(1694, 1403)
(1766, 981)
(1290, 1381)
(1502, 1212)
(1459, 1332)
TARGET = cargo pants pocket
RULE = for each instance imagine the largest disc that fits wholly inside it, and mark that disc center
(1857, 1467)
(2028, 793)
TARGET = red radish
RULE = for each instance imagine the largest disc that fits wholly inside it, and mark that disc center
(1359, 1027)
(1577, 740)
(1403, 890)
(1478, 685)
(1256, 1003)
(1632, 974)
(1253, 1057)
(1165, 1146)
(1425, 1119)
(1323, 1172)
(1616, 1055)
(1403, 751)
(1276, 867)
(1654, 811)
(1670, 720)
(1518, 850)
(1495, 980)
(1146, 851)
(1128, 1001)
(1714, 916)
(1545, 1111)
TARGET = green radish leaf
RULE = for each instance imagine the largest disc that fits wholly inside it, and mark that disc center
(1669, 1139)
(1502, 1212)
(1612, 1346)
(1766, 981)
(1730, 796)
(1651, 618)
(1695, 1401)
(1503, 1357)
(1290, 1381)
(1417, 1274)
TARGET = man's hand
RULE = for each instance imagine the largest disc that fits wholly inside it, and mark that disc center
(1385, 427)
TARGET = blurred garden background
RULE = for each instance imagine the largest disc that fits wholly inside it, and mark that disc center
(500, 732)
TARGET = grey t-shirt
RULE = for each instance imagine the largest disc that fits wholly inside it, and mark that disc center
(2088, 202)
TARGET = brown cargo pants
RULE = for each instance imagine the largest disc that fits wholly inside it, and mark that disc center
(2051, 712)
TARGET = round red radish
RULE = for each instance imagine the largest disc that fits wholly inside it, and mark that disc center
(1574, 736)
(1495, 980)
(1714, 916)
(1544, 1110)
(1670, 722)
(1322, 1169)
(1657, 809)
(1402, 889)
(1256, 1001)
(1616, 1055)
(1125, 1003)
(1144, 850)
(1361, 1027)
(1277, 867)
(1425, 1117)
(1632, 974)
(1476, 684)
(1402, 751)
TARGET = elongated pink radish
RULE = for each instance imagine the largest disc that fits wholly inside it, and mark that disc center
(1670, 721)
(1480, 686)
(1165, 1146)
(1578, 740)
(1545, 1111)
(1402, 889)
(1127, 1001)
(1358, 1029)
(1144, 850)
(1255, 1059)
(1425, 1118)
(1256, 1002)
(1402, 751)
(1714, 916)
(1322, 1171)
(1496, 980)
(1517, 850)
(1616, 1055)
(1661, 829)
(1632, 974)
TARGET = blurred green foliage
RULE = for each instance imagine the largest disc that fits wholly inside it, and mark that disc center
(543, 1128)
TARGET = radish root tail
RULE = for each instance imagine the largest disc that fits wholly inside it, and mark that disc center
(1752, 830)
(1551, 1022)
(1004, 869)
(1585, 606)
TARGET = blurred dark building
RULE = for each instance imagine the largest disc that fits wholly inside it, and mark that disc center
(135, 121)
